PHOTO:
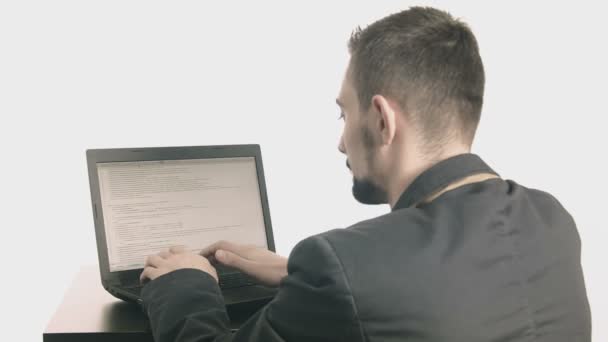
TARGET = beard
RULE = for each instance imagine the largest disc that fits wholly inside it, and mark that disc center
(367, 192)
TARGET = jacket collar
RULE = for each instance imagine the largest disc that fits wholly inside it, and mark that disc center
(439, 176)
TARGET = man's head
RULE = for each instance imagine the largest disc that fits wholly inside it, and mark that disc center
(412, 95)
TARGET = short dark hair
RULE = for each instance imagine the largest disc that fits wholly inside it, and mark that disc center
(429, 63)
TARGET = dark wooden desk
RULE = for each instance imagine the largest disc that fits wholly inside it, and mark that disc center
(89, 313)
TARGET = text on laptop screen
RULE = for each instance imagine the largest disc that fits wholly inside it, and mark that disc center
(149, 206)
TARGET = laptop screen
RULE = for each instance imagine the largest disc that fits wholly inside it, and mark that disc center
(149, 206)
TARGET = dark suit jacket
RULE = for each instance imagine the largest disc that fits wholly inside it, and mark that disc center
(488, 261)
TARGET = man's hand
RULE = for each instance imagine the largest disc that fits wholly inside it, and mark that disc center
(262, 264)
(174, 259)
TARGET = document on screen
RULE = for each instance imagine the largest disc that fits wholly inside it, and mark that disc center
(149, 206)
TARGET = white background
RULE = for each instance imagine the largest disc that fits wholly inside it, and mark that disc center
(97, 74)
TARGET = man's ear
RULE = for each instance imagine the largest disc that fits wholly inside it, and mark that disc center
(385, 120)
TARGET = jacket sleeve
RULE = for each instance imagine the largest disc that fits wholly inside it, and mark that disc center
(314, 303)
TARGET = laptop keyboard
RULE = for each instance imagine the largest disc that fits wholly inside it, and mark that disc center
(227, 281)
(235, 279)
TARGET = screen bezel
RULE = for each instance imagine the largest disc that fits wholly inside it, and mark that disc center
(95, 156)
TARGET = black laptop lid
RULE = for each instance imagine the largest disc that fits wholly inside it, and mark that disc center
(147, 199)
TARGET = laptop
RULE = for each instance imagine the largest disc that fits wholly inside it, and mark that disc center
(148, 199)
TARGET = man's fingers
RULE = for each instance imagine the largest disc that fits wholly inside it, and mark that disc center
(164, 254)
(223, 245)
(177, 249)
(154, 260)
(148, 273)
(231, 259)
(210, 250)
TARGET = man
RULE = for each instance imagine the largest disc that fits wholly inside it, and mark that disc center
(463, 255)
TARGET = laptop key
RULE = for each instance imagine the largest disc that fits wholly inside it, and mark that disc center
(232, 280)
